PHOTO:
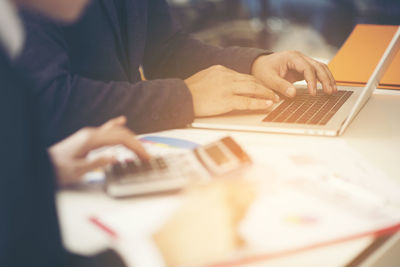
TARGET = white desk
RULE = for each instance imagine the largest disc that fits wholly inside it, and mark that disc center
(374, 133)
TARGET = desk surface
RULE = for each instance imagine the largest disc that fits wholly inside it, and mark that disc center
(374, 134)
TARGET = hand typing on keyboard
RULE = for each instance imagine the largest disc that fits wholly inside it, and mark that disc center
(279, 70)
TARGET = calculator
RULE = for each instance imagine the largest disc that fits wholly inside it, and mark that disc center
(175, 171)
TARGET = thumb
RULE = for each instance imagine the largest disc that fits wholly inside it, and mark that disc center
(118, 121)
(282, 86)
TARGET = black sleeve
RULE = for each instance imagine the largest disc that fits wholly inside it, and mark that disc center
(69, 101)
(172, 53)
(29, 230)
(29, 227)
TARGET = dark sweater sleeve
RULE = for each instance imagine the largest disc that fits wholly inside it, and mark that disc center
(69, 101)
(172, 53)
(29, 230)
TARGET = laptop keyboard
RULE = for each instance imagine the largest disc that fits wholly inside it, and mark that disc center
(308, 109)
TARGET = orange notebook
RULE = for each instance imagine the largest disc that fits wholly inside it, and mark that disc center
(360, 54)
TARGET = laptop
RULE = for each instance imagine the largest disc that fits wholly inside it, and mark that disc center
(327, 115)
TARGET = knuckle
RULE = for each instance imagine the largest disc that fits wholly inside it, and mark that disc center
(218, 68)
(315, 64)
(309, 68)
(325, 76)
(295, 53)
(323, 65)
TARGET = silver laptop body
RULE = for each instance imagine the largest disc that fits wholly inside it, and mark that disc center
(331, 117)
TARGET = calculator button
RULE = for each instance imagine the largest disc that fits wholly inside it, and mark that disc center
(161, 163)
(117, 170)
(145, 166)
(132, 167)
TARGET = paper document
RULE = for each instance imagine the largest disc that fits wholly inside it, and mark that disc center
(308, 195)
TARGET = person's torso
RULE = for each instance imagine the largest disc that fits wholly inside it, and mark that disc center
(109, 40)
(29, 233)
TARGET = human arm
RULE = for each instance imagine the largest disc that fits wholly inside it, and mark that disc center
(172, 52)
(76, 91)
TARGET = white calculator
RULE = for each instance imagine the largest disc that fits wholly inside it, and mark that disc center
(175, 171)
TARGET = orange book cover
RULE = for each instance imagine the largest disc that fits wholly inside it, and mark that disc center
(359, 55)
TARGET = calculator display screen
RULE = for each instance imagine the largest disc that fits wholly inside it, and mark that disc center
(216, 155)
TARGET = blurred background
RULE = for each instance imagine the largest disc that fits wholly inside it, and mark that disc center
(315, 27)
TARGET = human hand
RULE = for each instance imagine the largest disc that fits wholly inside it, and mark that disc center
(218, 90)
(279, 70)
(69, 155)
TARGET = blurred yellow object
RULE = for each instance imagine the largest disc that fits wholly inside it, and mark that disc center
(142, 76)
(359, 55)
(204, 228)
